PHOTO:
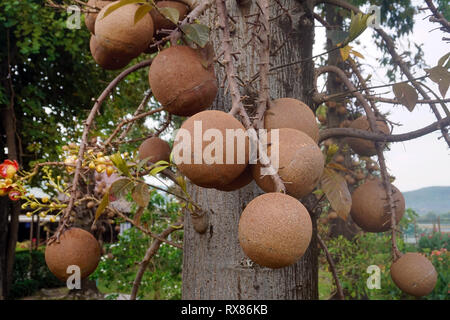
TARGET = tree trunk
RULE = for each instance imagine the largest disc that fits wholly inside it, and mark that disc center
(8, 121)
(214, 265)
(3, 245)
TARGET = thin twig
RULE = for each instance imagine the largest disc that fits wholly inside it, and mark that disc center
(381, 137)
(332, 267)
(84, 137)
(152, 250)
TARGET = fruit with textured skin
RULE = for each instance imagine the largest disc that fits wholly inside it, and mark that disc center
(118, 33)
(361, 146)
(106, 59)
(300, 163)
(275, 230)
(244, 179)
(414, 274)
(201, 164)
(162, 22)
(154, 148)
(369, 206)
(76, 247)
(291, 113)
(89, 18)
(181, 81)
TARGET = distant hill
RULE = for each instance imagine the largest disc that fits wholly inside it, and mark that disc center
(436, 199)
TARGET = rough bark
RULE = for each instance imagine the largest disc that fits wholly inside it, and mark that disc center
(8, 122)
(214, 266)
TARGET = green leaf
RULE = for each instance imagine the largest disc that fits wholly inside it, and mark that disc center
(119, 4)
(406, 95)
(197, 33)
(357, 26)
(182, 183)
(170, 13)
(322, 110)
(442, 60)
(157, 170)
(141, 163)
(141, 195)
(121, 187)
(141, 12)
(441, 76)
(335, 188)
(102, 206)
(120, 163)
(161, 162)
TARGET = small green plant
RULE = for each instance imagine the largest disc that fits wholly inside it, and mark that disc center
(31, 274)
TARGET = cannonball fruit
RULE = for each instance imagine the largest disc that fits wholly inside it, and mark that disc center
(105, 58)
(181, 81)
(201, 154)
(155, 149)
(300, 163)
(414, 274)
(118, 33)
(274, 230)
(244, 179)
(76, 247)
(89, 18)
(291, 113)
(361, 146)
(162, 22)
(369, 206)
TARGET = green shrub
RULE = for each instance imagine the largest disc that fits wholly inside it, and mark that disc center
(434, 241)
(31, 274)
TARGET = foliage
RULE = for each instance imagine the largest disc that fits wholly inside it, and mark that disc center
(435, 241)
(162, 279)
(31, 274)
(352, 257)
(441, 261)
(55, 79)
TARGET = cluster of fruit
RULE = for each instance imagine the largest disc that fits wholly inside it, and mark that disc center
(116, 39)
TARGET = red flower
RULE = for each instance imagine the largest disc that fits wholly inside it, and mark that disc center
(8, 169)
(14, 195)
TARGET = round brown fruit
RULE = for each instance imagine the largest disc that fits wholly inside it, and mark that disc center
(208, 173)
(181, 82)
(76, 247)
(162, 22)
(155, 149)
(118, 33)
(106, 59)
(414, 274)
(369, 206)
(300, 163)
(291, 113)
(361, 146)
(274, 230)
(244, 179)
(89, 18)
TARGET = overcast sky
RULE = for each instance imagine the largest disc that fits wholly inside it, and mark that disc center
(425, 161)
